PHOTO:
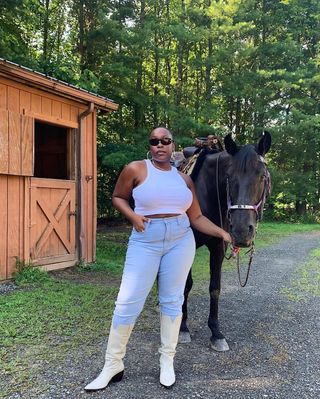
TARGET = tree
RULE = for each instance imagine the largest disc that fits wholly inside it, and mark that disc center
(196, 66)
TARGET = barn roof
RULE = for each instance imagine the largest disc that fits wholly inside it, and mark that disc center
(39, 80)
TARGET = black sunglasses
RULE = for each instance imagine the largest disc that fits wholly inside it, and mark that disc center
(164, 141)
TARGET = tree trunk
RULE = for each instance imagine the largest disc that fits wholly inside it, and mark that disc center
(301, 207)
(208, 81)
(198, 91)
(138, 114)
(168, 66)
(45, 37)
(156, 72)
(238, 116)
(81, 35)
(181, 48)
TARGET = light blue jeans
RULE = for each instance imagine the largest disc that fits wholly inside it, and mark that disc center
(165, 249)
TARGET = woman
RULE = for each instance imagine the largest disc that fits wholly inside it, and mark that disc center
(161, 245)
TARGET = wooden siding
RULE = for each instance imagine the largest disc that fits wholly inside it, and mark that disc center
(4, 141)
(12, 222)
(20, 105)
(89, 182)
(40, 105)
(16, 144)
(4, 226)
(48, 84)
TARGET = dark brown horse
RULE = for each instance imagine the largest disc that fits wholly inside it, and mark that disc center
(232, 187)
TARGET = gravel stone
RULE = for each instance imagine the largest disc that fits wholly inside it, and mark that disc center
(274, 343)
(7, 286)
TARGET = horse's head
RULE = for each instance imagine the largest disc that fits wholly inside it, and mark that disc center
(248, 185)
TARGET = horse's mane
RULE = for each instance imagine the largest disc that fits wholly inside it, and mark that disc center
(200, 160)
(242, 160)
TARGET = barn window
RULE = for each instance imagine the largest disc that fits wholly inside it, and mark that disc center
(54, 152)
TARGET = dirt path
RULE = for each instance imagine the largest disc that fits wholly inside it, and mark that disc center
(274, 342)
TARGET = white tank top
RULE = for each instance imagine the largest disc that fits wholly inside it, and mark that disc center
(161, 192)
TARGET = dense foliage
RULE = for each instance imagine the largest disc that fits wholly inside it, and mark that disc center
(196, 66)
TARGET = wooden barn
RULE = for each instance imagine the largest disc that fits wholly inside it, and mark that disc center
(48, 170)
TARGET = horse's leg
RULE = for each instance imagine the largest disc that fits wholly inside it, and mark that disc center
(184, 335)
(217, 340)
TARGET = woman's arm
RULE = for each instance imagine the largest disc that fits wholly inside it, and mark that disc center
(128, 179)
(198, 220)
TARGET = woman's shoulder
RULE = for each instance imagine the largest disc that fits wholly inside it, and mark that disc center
(185, 177)
(134, 169)
(136, 165)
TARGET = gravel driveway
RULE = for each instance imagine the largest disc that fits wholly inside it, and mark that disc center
(274, 342)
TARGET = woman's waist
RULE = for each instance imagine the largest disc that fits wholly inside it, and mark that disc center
(161, 210)
(162, 215)
(157, 229)
(167, 218)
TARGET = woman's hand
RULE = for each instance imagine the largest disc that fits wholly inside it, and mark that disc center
(226, 237)
(138, 222)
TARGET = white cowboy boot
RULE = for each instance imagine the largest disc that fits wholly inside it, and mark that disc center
(113, 367)
(169, 329)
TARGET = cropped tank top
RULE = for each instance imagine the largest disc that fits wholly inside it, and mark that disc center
(161, 192)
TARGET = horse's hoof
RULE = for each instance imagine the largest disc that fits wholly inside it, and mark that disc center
(219, 345)
(184, 337)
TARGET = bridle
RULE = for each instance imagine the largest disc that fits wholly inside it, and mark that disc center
(257, 208)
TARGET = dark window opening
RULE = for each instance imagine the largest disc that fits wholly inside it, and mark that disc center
(53, 149)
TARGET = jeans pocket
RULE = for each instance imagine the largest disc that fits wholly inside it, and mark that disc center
(146, 226)
(185, 223)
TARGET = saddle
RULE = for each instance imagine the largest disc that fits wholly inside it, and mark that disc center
(186, 159)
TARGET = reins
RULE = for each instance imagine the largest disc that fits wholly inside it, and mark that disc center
(251, 250)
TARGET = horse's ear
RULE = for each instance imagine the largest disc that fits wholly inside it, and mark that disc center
(264, 143)
(230, 145)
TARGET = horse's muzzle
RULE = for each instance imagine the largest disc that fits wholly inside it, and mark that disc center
(242, 237)
(242, 244)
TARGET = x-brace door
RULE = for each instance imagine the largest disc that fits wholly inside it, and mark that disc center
(53, 221)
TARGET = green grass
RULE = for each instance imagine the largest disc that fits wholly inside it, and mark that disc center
(46, 318)
(268, 234)
(111, 250)
(306, 282)
(44, 322)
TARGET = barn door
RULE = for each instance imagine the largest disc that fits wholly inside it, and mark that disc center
(16, 144)
(53, 221)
